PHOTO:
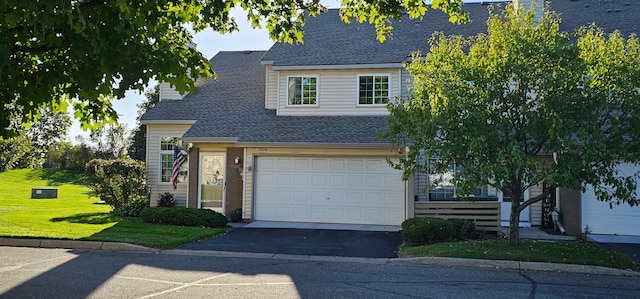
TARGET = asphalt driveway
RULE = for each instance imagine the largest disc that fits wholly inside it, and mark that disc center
(631, 250)
(321, 242)
(629, 245)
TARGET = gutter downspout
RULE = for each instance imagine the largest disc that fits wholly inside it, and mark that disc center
(556, 213)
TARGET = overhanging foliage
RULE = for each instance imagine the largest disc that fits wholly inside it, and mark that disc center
(526, 104)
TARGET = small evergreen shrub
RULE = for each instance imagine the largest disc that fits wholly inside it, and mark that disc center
(428, 230)
(417, 231)
(167, 200)
(183, 216)
(465, 229)
(131, 208)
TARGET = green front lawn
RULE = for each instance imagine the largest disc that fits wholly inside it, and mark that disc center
(76, 215)
(529, 251)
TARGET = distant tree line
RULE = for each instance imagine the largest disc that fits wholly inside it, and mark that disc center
(42, 144)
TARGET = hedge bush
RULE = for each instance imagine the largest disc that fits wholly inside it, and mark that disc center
(117, 182)
(131, 208)
(427, 230)
(183, 216)
(464, 228)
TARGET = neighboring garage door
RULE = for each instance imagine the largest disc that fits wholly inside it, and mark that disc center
(621, 220)
(328, 190)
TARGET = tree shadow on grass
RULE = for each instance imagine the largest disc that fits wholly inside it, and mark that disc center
(89, 218)
(57, 177)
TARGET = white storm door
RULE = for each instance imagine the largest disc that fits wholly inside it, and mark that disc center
(212, 181)
(505, 210)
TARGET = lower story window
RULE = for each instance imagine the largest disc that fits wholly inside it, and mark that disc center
(440, 186)
(167, 147)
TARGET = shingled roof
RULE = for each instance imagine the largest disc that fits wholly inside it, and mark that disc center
(231, 107)
(329, 41)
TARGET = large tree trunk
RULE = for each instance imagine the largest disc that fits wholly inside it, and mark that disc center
(514, 222)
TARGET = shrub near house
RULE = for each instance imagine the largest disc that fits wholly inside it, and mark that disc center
(429, 230)
(183, 216)
(120, 183)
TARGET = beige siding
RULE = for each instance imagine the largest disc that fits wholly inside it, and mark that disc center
(405, 80)
(337, 92)
(154, 133)
(169, 93)
(252, 153)
(536, 208)
(271, 91)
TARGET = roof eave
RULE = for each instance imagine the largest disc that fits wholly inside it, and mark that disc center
(316, 145)
(168, 121)
(210, 139)
(393, 65)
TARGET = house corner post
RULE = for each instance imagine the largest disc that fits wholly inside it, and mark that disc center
(192, 196)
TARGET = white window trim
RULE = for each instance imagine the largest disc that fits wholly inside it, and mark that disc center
(162, 152)
(389, 84)
(454, 169)
(303, 76)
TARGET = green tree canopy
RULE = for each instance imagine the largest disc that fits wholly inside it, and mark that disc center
(84, 53)
(29, 146)
(138, 140)
(498, 103)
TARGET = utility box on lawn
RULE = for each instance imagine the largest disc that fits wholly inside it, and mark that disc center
(44, 192)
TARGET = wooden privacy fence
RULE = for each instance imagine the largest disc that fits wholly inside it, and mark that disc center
(486, 215)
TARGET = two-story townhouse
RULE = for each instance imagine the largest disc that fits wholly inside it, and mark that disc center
(290, 134)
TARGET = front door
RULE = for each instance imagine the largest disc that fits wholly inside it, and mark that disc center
(212, 183)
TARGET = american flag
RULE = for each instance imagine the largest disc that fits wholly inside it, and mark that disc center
(178, 160)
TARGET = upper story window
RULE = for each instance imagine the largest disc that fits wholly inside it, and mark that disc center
(166, 161)
(303, 91)
(373, 90)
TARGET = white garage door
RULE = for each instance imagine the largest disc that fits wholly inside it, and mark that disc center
(621, 220)
(328, 190)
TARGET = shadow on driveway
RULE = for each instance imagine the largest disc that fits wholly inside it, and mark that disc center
(346, 243)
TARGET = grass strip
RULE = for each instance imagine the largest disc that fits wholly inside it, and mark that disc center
(527, 251)
(76, 214)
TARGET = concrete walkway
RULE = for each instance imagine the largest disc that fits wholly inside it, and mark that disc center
(534, 233)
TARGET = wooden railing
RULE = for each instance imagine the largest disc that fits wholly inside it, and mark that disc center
(486, 215)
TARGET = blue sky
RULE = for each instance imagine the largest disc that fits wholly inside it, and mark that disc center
(209, 43)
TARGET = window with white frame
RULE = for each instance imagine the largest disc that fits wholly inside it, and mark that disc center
(302, 91)
(440, 186)
(373, 89)
(166, 161)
